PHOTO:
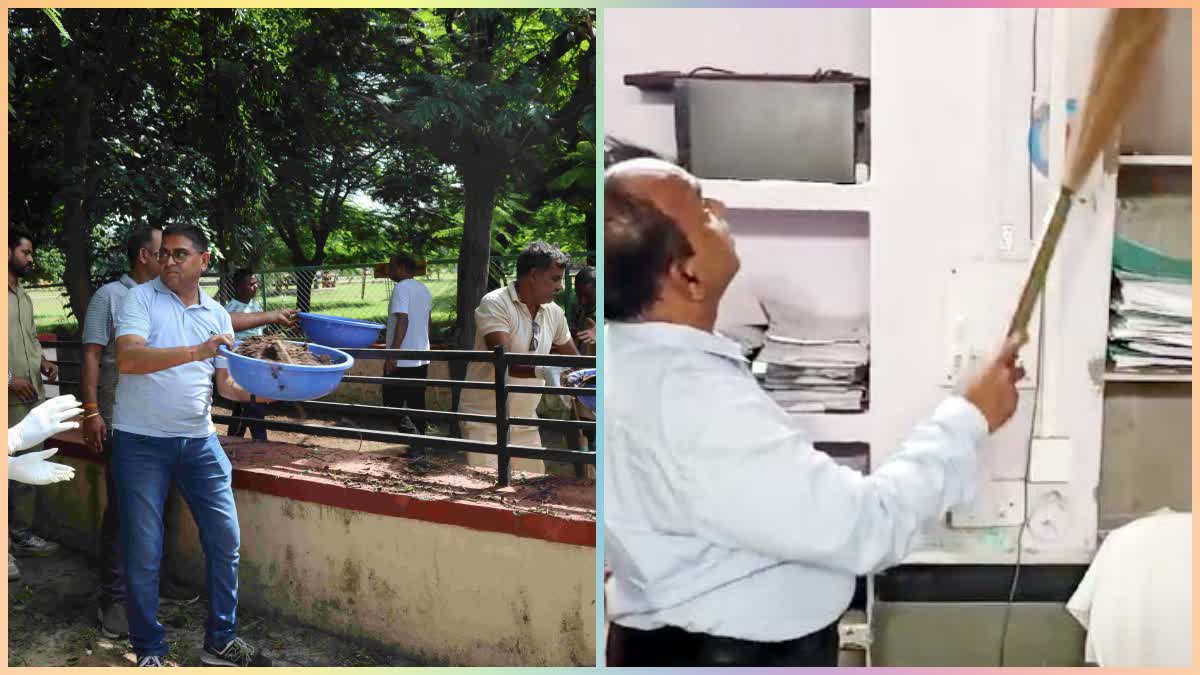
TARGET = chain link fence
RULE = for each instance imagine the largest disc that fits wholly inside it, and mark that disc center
(352, 291)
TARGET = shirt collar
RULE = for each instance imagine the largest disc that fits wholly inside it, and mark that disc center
(676, 336)
(128, 281)
(512, 294)
(205, 301)
(511, 291)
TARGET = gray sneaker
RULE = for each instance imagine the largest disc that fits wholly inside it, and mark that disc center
(30, 544)
(14, 572)
(151, 662)
(237, 653)
(114, 624)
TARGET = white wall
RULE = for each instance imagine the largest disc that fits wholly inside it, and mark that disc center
(777, 41)
(816, 261)
(810, 247)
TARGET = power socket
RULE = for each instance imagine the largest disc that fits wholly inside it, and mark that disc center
(1000, 503)
(977, 313)
(1012, 244)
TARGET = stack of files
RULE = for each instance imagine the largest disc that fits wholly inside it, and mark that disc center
(749, 338)
(815, 375)
(1151, 311)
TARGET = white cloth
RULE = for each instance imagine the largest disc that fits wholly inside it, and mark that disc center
(1136, 599)
(413, 298)
(721, 517)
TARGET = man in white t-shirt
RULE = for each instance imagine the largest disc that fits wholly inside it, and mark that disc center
(407, 328)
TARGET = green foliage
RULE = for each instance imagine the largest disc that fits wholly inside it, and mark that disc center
(55, 17)
(299, 137)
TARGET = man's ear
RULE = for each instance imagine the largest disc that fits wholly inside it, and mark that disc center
(205, 258)
(685, 278)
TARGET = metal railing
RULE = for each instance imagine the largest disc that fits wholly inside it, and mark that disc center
(500, 359)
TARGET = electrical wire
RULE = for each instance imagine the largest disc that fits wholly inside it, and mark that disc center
(1025, 510)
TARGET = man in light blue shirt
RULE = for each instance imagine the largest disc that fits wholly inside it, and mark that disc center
(732, 540)
(168, 336)
(98, 390)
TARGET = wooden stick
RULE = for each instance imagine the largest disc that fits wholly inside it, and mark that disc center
(281, 350)
(1122, 55)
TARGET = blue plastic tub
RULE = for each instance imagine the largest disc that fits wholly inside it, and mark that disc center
(576, 379)
(335, 331)
(286, 382)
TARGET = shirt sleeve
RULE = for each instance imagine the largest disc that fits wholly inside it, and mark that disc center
(96, 326)
(491, 317)
(759, 484)
(562, 331)
(401, 300)
(226, 329)
(135, 315)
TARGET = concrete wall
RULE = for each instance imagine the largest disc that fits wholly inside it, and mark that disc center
(446, 583)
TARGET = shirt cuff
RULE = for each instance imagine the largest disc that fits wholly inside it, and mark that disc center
(964, 418)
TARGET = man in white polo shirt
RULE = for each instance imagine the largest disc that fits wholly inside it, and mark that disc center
(168, 335)
(522, 317)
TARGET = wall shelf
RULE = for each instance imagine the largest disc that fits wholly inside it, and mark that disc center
(1156, 160)
(783, 195)
(1147, 377)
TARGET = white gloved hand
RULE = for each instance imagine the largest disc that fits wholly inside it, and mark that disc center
(551, 375)
(33, 469)
(43, 422)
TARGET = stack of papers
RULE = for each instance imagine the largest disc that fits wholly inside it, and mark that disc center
(814, 375)
(1151, 326)
(749, 338)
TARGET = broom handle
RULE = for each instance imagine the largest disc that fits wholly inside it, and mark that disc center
(1036, 281)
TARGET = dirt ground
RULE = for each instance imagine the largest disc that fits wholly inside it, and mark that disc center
(52, 622)
(387, 467)
(52, 607)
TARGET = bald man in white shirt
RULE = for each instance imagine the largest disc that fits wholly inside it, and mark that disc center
(732, 540)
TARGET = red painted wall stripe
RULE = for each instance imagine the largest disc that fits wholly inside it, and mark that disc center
(463, 514)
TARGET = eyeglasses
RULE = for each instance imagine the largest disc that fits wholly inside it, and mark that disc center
(179, 255)
(533, 343)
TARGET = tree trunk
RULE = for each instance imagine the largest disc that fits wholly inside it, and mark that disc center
(589, 233)
(475, 253)
(306, 279)
(304, 284)
(76, 233)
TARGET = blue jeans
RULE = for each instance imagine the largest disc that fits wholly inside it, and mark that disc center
(144, 468)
